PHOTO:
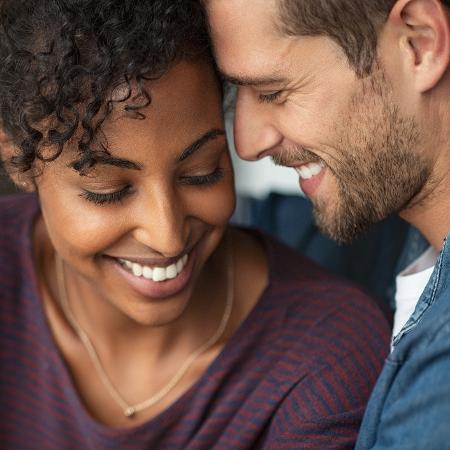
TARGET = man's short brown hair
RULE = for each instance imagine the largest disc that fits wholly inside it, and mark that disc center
(353, 24)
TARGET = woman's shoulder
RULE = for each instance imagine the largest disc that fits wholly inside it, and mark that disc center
(17, 209)
(293, 274)
(317, 302)
(16, 217)
(318, 342)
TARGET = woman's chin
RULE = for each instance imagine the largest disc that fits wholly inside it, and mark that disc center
(157, 315)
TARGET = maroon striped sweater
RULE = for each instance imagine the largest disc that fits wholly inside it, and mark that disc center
(296, 375)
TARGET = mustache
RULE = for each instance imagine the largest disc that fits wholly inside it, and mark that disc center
(293, 155)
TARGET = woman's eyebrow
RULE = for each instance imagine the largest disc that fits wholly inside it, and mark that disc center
(119, 162)
(208, 136)
(107, 159)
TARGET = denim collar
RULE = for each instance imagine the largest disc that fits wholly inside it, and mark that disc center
(438, 283)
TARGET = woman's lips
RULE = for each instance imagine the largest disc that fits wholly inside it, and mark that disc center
(151, 289)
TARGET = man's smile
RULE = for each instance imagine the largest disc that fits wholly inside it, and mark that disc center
(310, 170)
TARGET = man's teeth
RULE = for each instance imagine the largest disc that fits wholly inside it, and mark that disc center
(155, 273)
(310, 170)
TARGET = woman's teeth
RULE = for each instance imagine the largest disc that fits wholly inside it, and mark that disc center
(157, 274)
(310, 170)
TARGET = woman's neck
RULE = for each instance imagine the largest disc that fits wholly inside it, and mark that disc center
(115, 332)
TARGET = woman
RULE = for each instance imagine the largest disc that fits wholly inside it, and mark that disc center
(131, 315)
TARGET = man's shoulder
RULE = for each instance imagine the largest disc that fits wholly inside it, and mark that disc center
(414, 389)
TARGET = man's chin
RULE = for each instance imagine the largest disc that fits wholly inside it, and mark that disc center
(338, 227)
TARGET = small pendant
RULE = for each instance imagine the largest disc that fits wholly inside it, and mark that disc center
(130, 412)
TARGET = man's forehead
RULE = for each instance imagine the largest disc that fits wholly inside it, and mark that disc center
(247, 42)
(251, 17)
(258, 70)
(241, 5)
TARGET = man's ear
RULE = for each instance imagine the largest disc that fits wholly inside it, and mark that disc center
(424, 32)
(24, 181)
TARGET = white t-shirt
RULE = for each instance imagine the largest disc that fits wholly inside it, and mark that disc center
(410, 284)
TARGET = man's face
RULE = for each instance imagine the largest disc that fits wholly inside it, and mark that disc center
(300, 102)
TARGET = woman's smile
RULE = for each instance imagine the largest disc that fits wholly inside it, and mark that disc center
(154, 279)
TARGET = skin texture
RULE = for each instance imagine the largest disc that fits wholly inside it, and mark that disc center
(162, 216)
(382, 138)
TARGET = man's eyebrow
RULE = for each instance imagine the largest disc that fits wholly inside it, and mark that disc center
(209, 136)
(253, 81)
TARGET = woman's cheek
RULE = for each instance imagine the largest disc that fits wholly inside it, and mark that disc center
(83, 231)
(214, 205)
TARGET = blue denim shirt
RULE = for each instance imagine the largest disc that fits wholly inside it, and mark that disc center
(410, 405)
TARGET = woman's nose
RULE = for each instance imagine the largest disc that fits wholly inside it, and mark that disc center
(161, 223)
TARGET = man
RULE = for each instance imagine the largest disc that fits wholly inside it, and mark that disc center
(355, 96)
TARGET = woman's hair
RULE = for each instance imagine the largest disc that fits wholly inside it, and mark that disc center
(62, 59)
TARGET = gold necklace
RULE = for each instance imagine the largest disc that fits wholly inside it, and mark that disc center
(130, 410)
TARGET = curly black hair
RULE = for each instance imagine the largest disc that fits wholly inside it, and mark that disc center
(61, 59)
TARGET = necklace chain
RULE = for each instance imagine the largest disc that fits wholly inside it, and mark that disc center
(130, 410)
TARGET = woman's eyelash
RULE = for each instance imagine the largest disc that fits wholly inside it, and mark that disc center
(102, 199)
(200, 180)
(269, 98)
(118, 196)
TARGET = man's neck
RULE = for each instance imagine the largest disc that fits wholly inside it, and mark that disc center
(431, 214)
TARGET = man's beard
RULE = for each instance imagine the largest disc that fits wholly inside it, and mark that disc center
(377, 168)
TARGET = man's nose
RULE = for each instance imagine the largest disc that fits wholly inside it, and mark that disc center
(160, 223)
(255, 132)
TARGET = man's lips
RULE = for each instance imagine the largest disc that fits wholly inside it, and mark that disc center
(297, 163)
(310, 173)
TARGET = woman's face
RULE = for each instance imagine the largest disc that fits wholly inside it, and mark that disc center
(138, 233)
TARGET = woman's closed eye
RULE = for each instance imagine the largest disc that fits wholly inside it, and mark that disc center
(102, 198)
(106, 198)
(203, 180)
